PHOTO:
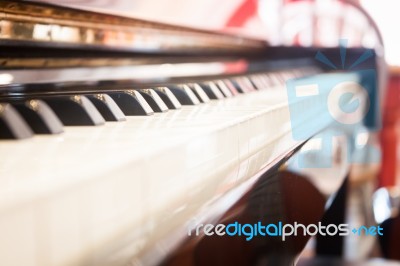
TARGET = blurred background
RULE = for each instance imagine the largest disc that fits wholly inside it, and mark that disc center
(373, 195)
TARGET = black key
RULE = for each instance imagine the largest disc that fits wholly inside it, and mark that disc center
(228, 83)
(40, 117)
(107, 107)
(237, 86)
(258, 82)
(154, 100)
(184, 95)
(75, 110)
(131, 102)
(212, 90)
(12, 125)
(199, 92)
(224, 89)
(168, 98)
(245, 84)
(252, 83)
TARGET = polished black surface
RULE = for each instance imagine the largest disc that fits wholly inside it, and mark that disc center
(278, 196)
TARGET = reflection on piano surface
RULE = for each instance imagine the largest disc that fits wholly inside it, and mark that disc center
(116, 132)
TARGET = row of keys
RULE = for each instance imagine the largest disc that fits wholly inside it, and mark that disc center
(20, 119)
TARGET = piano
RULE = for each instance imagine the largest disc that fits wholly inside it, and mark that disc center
(117, 133)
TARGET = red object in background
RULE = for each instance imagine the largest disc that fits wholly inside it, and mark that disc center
(244, 12)
(389, 138)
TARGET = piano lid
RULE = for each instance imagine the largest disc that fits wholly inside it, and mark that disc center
(237, 16)
(50, 25)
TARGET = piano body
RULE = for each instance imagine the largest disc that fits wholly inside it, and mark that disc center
(118, 133)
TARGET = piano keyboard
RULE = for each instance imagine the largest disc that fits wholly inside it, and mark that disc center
(116, 132)
(23, 117)
(105, 170)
